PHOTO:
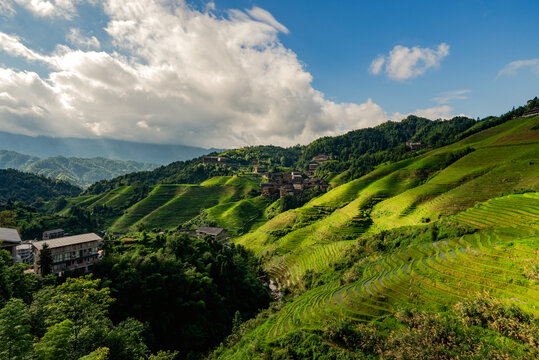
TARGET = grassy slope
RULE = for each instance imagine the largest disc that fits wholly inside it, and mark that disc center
(169, 205)
(435, 275)
(497, 258)
(405, 193)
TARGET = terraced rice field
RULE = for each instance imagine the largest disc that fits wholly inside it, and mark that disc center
(520, 211)
(115, 198)
(289, 269)
(240, 216)
(434, 275)
(169, 205)
(159, 196)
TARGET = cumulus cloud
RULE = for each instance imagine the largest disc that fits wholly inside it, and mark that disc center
(12, 45)
(76, 38)
(42, 8)
(405, 63)
(176, 75)
(512, 68)
(449, 96)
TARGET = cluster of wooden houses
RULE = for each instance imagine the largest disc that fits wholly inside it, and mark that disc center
(289, 184)
(293, 183)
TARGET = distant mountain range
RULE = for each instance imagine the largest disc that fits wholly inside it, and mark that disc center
(79, 171)
(44, 146)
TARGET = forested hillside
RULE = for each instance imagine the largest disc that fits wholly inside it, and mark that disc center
(405, 261)
(28, 188)
(358, 151)
(78, 171)
(411, 254)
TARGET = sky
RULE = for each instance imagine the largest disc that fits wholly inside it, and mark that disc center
(230, 73)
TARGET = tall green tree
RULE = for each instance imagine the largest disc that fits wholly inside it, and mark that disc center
(15, 337)
(8, 218)
(100, 354)
(54, 345)
(85, 304)
(45, 260)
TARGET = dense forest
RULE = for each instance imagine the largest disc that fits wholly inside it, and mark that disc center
(160, 292)
(30, 188)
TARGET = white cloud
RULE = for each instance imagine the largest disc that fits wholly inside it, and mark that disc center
(264, 16)
(6, 8)
(177, 75)
(50, 8)
(512, 68)
(377, 65)
(76, 38)
(449, 96)
(444, 112)
(13, 46)
(404, 63)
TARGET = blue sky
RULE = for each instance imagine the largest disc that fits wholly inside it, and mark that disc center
(242, 72)
(338, 40)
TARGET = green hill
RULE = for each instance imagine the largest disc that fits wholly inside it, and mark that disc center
(430, 233)
(30, 188)
(169, 205)
(79, 171)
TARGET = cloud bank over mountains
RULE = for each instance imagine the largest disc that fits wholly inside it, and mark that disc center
(178, 75)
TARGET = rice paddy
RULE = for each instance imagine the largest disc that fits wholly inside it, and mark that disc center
(438, 274)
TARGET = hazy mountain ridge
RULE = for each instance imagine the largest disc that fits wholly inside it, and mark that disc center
(80, 171)
(44, 146)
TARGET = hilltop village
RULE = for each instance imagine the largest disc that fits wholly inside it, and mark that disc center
(280, 183)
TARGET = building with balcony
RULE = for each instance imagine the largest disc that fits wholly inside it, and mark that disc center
(69, 253)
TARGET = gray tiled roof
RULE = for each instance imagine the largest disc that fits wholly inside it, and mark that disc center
(53, 231)
(68, 240)
(210, 230)
(10, 235)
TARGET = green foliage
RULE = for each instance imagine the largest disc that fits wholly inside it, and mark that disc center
(45, 260)
(100, 354)
(54, 345)
(164, 355)
(360, 151)
(14, 283)
(180, 172)
(30, 188)
(8, 218)
(31, 222)
(200, 284)
(408, 334)
(506, 318)
(15, 337)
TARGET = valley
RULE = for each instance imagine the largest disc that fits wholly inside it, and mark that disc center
(432, 232)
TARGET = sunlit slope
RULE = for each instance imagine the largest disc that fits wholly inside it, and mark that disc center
(114, 199)
(321, 230)
(169, 205)
(500, 258)
(494, 162)
(505, 159)
(240, 216)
